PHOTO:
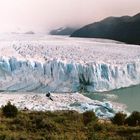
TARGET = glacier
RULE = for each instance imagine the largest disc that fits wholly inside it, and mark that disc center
(39, 63)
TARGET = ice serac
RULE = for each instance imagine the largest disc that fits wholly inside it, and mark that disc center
(59, 76)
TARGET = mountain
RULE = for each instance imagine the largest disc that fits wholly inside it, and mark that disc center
(125, 29)
(63, 31)
(30, 32)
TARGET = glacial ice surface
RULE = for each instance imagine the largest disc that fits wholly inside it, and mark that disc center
(61, 64)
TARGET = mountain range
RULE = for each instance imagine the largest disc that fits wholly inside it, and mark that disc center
(125, 29)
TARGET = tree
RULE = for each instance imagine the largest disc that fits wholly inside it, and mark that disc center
(133, 119)
(9, 110)
(119, 118)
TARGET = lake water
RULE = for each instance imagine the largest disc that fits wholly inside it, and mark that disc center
(129, 96)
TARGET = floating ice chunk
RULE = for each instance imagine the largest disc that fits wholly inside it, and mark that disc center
(108, 105)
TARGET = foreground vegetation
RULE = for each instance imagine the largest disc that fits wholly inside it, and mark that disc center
(64, 125)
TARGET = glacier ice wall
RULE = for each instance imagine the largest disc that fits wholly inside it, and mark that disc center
(61, 64)
(61, 76)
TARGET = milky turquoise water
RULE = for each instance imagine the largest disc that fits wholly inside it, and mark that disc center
(128, 96)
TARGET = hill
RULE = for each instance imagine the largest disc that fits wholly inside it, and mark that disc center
(125, 29)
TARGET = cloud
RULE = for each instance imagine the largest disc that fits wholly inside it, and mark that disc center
(41, 15)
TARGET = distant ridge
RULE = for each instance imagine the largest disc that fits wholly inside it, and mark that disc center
(63, 31)
(125, 29)
(30, 32)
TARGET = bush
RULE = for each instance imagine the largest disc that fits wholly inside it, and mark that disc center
(119, 118)
(88, 117)
(9, 110)
(133, 119)
(99, 127)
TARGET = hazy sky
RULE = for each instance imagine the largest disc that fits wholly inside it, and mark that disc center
(40, 15)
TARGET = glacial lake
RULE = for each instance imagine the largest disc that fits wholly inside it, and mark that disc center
(129, 96)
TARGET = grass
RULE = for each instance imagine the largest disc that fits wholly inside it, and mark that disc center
(62, 125)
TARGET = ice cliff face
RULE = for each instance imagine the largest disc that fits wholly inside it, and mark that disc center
(65, 77)
(67, 65)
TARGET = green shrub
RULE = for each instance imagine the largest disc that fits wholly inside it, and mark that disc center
(2, 137)
(99, 127)
(9, 110)
(133, 119)
(21, 123)
(119, 118)
(88, 117)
